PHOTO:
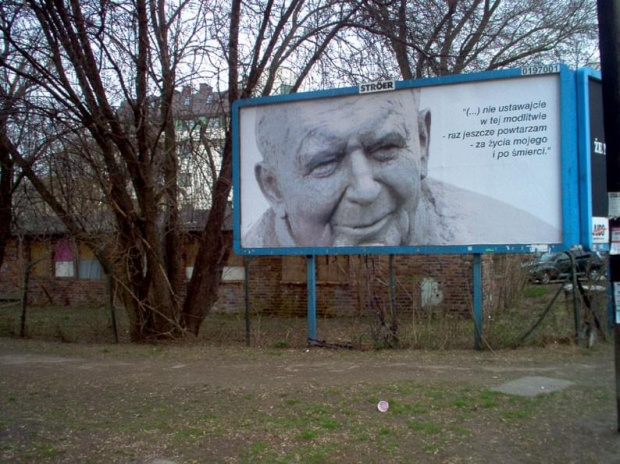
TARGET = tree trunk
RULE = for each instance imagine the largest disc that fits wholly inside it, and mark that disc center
(202, 290)
(6, 196)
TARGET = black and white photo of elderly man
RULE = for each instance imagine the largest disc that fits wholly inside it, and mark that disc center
(353, 171)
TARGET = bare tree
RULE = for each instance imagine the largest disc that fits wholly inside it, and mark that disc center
(435, 38)
(263, 37)
(88, 57)
(12, 92)
(14, 131)
(106, 75)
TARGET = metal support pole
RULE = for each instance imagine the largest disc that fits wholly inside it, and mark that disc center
(393, 322)
(311, 289)
(609, 46)
(246, 288)
(477, 301)
(576, 312)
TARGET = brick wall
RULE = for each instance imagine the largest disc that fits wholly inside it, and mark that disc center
(363, 287)
(277, 285)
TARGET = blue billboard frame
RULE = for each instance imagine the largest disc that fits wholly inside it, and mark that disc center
(571, 224)
(583, 77)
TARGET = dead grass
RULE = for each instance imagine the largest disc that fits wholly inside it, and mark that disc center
(438, 329)
(135, 404)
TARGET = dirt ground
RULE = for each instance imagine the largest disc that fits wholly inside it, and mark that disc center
(147, 404)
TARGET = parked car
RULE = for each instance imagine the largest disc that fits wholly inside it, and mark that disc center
(557, 266)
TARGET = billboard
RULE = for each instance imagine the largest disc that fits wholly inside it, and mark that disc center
(592, 149)
(470, 163)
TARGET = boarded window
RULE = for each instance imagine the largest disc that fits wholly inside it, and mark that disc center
(233, 274)
(235, 260)
(329, 269)
(40, 254)
(332, 269)
(293, 269)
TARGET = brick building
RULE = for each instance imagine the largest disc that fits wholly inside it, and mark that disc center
(66, 273)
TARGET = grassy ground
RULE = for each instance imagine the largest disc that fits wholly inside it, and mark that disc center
(66, 403)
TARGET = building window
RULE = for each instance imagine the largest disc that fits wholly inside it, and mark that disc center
(90, 268)
(72, 261)
(64, 258)
(187, 101)
(190, 250)
(185, 180)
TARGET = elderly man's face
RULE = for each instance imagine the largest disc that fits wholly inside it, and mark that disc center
(349, 172)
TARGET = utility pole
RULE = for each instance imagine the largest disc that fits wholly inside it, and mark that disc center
(609, 45)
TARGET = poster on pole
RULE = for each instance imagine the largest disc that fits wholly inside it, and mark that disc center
(469, 163)
(593, 159)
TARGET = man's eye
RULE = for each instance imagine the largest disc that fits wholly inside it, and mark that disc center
(386, 152)
(325, 168)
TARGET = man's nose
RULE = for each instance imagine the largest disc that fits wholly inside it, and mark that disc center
(363, 187)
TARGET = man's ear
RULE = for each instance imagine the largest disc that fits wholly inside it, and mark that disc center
(424, 131)
(268, 182)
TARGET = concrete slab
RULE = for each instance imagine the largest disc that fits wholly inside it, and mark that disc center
(533, 386)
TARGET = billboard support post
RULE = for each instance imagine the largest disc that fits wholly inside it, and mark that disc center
(477, 264)
(311, 289)
(246, 287)
(393, 323)
(609, 46)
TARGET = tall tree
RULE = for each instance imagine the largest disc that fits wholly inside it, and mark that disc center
(262, 39)
(435, 38)
(13, 93)
(87, 57)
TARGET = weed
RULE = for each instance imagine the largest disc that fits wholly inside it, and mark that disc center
(329, 424)
(461, 403)
(462, 431)
(316, 456)
(318, 410)
(400, 408)
(434, 393)
(515, 414)
(47, 450)
(426, 428)
(307, 434)
(535, 291)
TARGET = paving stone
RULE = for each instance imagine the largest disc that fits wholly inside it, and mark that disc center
(533, 386)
